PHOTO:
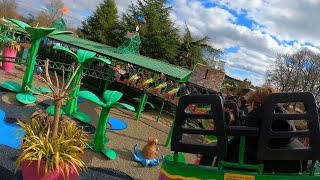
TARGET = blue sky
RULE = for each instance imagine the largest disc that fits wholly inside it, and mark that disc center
(252, 32)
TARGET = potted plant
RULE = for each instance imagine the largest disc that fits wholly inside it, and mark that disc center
(9, 53)
(52, 147)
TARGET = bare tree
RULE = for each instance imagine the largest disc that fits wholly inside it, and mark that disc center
(8, 8)
(296, 72)
(51, 13)
(60, 93)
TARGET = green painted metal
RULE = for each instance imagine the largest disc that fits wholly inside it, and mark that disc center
(26, 98)
(135, 59)
(168, 141)
(81, 116)
(50, 110)
(110, 101)
(28, 75)
(160, 111)
(60, 24)
(106, 86)
(71, 104)
(141, 105)
(176, 170)
(177, 157)
(69, 68)
(131, 44)
(313, 168)
(82, 57)
(11, 86)
(37, 35)
(224, 164)
(242, 149)
(241, 164)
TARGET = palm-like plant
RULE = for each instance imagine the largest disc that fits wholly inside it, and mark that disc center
(110, 99)
(192, 50)
(82, 57)
(37, 34)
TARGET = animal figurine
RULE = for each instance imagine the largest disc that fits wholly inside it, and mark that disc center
(150, 149)
(148, 154)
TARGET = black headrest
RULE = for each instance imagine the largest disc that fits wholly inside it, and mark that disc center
(266, 133)
(216, 113)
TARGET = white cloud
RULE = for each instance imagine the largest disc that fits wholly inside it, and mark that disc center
(257, 46)
(78, 9)
(286, 20)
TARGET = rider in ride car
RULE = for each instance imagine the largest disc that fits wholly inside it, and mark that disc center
(255, 100)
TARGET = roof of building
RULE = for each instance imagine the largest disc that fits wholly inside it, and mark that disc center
(142, 61)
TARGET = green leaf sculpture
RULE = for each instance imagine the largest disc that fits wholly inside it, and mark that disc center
(110, 99)
(37, 34)
(82, 57)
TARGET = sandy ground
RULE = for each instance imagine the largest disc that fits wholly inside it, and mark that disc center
(123, 141)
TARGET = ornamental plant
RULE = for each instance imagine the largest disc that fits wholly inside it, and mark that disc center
(53, 142)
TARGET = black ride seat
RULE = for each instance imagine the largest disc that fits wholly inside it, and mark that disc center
(294, 151)
(216, 113)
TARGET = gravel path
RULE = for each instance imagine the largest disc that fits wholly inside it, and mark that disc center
(122, 142)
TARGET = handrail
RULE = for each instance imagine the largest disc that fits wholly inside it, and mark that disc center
(64, 67)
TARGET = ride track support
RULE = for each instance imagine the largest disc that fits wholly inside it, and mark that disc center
(141, 105)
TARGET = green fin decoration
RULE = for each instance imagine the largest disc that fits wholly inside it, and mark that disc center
(89, 60)
(83, 117)
(61, 48)
(57, 32)
(41, 90)
(90, 96)
(21, 24)
(88, 145)
(84, 54)
(111, 154)
(11, 85)
(50, 110)
(111, 96)
(39, 33)
(123, 105)
(26, 98)
(181, 158)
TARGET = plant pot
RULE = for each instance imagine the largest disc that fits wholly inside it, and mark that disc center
(8, 52)
(30, 172)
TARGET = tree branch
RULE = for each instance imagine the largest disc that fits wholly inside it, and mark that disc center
(28, 89)
(73, 74)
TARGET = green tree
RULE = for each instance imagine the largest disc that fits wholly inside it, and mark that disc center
(103, 25)
(160, 39)
(193, 50)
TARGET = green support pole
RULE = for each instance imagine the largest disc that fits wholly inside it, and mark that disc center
(70, 72)
(241, 151)
(141, 105)
(28, 75)
(168, 141)
(106, 86)
(159, 115)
